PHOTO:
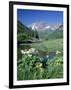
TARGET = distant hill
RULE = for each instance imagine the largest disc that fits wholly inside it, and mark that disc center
(60, 27)
(44, 34)
(51, 34)
(58, 33)
(46, 31)
(22, 28)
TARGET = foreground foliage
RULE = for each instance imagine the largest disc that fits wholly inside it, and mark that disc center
(30, 68)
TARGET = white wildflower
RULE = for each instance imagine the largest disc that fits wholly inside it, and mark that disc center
(32, 50)
(58, 52)
(23, 52)
(47, 56)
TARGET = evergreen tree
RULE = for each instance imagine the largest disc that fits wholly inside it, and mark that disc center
(36, 34)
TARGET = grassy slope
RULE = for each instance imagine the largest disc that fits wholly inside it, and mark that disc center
(49, 45)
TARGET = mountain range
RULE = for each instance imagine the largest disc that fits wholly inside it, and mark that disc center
(41, 26)
(46, 31)
(38, 30)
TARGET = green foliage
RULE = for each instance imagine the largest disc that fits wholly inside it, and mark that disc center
(36, 34)
(55, 68)
(30, 68)
(25, 33)
(21, 37)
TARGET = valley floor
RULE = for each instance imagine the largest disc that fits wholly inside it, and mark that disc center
(49, 45)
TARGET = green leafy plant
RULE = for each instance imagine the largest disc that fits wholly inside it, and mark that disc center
(30, 68)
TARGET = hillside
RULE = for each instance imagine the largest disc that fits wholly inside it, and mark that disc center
(46, 31)
(24, 33)
(52, 34)
(58, 33)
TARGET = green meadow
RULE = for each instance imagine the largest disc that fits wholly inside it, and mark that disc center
(51, 45)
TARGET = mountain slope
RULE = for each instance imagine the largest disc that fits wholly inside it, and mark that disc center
(23, 32)
(51, 34)
(39, 26)
(58, 33)
(60, 27)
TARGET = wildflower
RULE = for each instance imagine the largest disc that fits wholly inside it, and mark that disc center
(23, 52)
(31, 50)
(47, 56)
(38, 65)
(58, 52)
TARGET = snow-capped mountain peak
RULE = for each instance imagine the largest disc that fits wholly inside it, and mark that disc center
(41, 26)
(34, 26)
(47, 27)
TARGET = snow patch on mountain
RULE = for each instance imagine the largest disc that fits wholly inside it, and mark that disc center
(41, 26)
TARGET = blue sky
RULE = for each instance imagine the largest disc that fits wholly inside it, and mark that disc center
(27, 17)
